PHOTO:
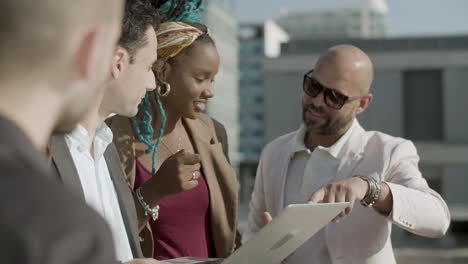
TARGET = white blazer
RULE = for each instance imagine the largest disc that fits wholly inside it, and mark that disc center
(363, 237)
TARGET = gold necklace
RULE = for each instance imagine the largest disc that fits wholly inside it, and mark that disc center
(179, 144)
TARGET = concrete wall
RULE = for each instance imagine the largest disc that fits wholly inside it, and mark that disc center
(455, 81)
(456, 131)
(283, 114)
(387, 90)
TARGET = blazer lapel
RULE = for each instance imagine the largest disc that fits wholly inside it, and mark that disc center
(352, 154)
(347, 166)
(221, 180)
(65, 165)
(126, 201)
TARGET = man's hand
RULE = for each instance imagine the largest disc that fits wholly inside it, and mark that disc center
(349, 190)
(266, 218)
(175, 175)
(145, 261)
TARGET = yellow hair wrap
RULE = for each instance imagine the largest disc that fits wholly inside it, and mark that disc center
(173, 37)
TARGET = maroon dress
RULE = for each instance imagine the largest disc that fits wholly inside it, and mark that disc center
(183, 227)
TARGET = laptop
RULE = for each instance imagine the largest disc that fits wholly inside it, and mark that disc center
(281, 237)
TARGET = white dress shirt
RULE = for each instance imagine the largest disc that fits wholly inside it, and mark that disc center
(307, 172)
(97, 184)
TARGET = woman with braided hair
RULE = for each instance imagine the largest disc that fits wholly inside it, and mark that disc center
(175, 156)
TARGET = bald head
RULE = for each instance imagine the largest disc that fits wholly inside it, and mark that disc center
(346, 67)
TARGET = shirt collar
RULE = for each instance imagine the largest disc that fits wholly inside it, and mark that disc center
(103, 139)
(79, 139)
(334, 150)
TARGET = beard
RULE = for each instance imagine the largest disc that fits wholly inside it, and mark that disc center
(329, 126)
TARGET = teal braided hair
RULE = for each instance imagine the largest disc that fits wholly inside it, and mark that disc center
(146, 136)
(191, 13)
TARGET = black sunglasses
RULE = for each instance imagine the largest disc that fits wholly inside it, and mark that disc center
(331, 97)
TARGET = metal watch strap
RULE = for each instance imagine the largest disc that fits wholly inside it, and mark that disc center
(373, 196)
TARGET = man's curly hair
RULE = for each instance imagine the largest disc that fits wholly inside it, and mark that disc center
(139, 15)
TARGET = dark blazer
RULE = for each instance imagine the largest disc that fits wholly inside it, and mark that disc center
(40, 221)
(65, 169)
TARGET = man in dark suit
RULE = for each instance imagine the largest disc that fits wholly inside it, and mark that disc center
(49, 57)
(85, 159)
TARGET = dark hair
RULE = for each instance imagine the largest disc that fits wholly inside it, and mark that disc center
(205, 38)
(139, 15)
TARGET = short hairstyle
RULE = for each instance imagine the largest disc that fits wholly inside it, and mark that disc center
(36, 35)
(139, 15)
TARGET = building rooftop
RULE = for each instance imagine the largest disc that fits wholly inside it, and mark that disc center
(379, 6)
(307, 46)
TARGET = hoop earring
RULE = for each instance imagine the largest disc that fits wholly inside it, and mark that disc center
(163, 92)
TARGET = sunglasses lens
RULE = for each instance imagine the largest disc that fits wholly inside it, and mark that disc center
(311, 87)
(334, 99)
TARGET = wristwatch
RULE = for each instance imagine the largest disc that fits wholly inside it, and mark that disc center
(373, 195)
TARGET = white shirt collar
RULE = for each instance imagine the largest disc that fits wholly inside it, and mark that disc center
(79, 139)
(334, 150)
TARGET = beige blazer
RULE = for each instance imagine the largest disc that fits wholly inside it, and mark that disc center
(363, 237)
(220, 177)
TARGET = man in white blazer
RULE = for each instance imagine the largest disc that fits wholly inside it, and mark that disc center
(331, 158)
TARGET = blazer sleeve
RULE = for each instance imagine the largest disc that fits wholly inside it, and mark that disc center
(257, 204)
(221, 134)
(45, 223)
(416, 207)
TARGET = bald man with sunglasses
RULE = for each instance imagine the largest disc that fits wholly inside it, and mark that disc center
(331, 158)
